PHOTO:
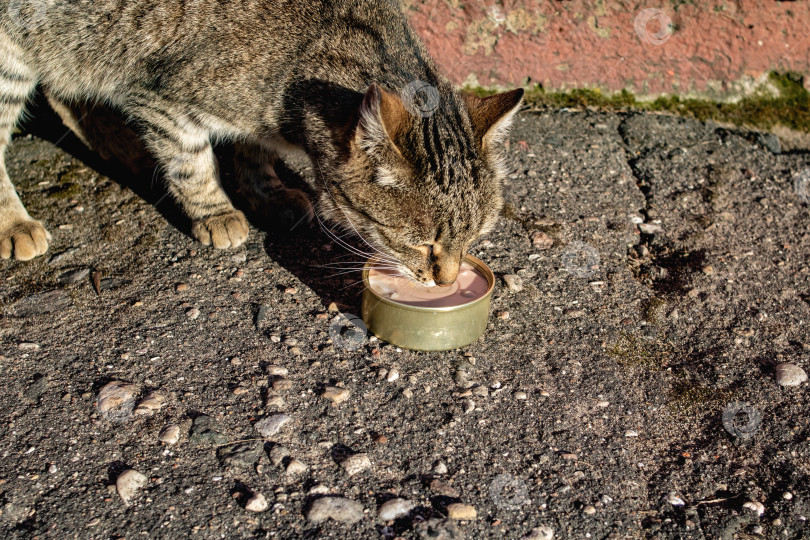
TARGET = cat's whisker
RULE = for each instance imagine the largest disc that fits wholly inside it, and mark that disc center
(346, 216)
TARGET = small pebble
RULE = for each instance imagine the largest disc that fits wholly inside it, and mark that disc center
(296, 351)
(674, 500)
(278, 453)
(631, 433)
(180, 287)
(649, 228)
(282, 385)
(193, 313)
(787, 495)
(513, 282)
(257, 503)
(439, 468)
(338, 508)
(277, 371)
(128, 484)
(170, 434)
(150, 404)
(589, 510)
(393, 375)
(395, 509)
(336, 394)
(755, 506)
(356, 463)
(443, 489)
(461, 511)
(708, 270)
(790, 375)
(541, 240)
(503, 315)
(117, 396)
(521, 395)
(271, 425)
(295, 466)
(275, 339)
(274, 402)
(469, 406)
(540, 533)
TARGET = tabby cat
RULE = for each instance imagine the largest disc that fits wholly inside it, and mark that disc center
(400, 157)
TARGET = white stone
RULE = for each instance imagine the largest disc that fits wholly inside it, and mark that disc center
(128, 484)
(272, 424)
(170, 434)
(257, 503)
(790, 375)
(395, 509)
(540, 533)
(356, 463)
(755, 506)
(338, 508)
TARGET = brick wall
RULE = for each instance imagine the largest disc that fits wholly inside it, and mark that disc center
(712, 47)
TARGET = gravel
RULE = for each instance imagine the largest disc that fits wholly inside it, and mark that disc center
(631, 335)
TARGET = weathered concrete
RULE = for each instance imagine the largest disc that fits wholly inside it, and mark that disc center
(715, 48)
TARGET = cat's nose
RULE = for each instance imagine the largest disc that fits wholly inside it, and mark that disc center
(445, 275)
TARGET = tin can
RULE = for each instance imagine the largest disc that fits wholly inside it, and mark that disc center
(427, 328)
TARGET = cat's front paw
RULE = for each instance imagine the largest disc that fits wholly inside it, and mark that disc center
(223, 231)
(24, 240)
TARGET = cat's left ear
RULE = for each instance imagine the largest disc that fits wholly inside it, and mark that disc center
(383, 119)
(491, 116)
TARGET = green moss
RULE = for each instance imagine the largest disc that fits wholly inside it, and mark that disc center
(688, 397)
(65, 191)
(790, 108)
(631, 351)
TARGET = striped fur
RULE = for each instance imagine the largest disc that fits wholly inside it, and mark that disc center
(419, 179)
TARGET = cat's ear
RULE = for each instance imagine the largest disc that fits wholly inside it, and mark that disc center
(491, 116)
(383, 118)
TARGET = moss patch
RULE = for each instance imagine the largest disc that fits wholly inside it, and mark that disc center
(791, 108)
(632, 351)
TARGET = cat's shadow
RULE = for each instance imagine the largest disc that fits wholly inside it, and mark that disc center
(302, 248)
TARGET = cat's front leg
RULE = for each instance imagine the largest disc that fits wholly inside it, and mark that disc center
(183, 150)
(21, 236)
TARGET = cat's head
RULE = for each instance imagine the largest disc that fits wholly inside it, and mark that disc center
(419, 187)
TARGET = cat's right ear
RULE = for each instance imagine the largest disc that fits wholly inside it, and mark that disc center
(383, 119)
(492, 116)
